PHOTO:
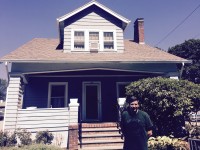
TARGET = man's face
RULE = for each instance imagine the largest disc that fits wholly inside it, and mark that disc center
(134, 106)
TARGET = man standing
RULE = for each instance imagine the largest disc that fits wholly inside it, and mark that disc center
(136, 126)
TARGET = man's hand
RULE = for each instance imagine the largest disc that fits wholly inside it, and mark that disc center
(149, 133)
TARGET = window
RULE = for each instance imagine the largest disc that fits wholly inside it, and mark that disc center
(94, 40)
(79, 40)
(121, 90)
(108, 40)
(57, 95)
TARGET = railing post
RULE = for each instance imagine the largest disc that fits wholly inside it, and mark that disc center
(73, 124)
(121, 102)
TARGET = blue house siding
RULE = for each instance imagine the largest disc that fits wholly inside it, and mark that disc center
(36, 91)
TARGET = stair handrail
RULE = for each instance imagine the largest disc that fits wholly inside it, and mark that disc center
(121, 102)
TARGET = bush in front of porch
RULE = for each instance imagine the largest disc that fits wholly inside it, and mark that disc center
(167, 101)
(43, 139)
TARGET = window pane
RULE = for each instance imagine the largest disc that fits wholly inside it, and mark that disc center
(122, 90)
(108, 40)
(94, 35)
(79, 39)
(108, 36)
(57, 96)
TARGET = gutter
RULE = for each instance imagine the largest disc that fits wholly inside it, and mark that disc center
(119, 61)
(182, 67)
(6, 66)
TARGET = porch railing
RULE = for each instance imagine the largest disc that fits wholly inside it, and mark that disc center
(40, 119)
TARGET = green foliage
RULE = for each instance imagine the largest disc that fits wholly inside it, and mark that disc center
(34, 147)
(24, 136)
(7, 139)
(193, 130)
(3, 86)
(167, 143)
(166, 101)
(189, 50)
(44, 137)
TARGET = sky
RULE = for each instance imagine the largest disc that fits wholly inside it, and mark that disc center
(23, 20)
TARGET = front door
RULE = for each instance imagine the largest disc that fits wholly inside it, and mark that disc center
(91, 101)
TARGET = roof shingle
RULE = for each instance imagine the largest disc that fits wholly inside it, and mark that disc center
(42, 49)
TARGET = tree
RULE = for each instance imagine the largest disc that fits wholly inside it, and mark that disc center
(189, 50)
(167, 101)
(3, 86)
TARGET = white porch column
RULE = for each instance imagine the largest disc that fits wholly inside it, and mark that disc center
(121, 101)
(13, 103)
(174, 77)
(73, 111)
(73, 124)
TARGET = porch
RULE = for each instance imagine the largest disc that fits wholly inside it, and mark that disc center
(64, 122)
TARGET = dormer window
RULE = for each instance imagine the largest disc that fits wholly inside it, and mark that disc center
(79, 40)
(108, 40)
(93, 40)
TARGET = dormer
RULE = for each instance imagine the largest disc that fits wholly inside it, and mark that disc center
(92, 28)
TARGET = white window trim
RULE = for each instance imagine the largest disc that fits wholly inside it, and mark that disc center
(101, 40)
(114, 39)
(49, 93)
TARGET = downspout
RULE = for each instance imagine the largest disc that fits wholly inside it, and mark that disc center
(6, 66)
(181, 72)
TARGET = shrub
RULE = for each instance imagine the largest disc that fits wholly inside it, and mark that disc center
(167, 143)
(7, 139)
(44, 137)
(24, 136)
(34, 147)
(193, 130)
(167, 101)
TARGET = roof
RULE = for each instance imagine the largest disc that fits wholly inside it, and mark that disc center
(93, 2)
(45, 50)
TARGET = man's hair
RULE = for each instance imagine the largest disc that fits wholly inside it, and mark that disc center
(131, 99)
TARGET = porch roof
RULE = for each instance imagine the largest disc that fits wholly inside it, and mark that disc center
(46, 50)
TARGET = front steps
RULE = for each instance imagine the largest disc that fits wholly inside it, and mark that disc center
(100, 136)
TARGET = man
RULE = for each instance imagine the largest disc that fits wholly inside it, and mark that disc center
(136, 126)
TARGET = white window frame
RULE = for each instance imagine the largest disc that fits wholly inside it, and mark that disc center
(49, 93)
(101, 40)
(83, 41)
(114, 43)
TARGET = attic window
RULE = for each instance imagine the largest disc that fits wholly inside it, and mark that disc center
(108, 40)
(94, 40)
(79, 40)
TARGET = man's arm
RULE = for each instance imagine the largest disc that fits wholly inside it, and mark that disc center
(149, 126)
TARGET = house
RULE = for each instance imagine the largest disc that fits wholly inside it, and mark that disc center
(55, 84)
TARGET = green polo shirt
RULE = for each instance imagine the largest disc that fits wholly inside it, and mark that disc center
(134, 128)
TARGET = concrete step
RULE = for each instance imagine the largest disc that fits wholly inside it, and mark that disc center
(99, 125)
(98, 141)
(103, 138)
(100, 144)
(99, 129)
(103, 148)
(100, 136)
